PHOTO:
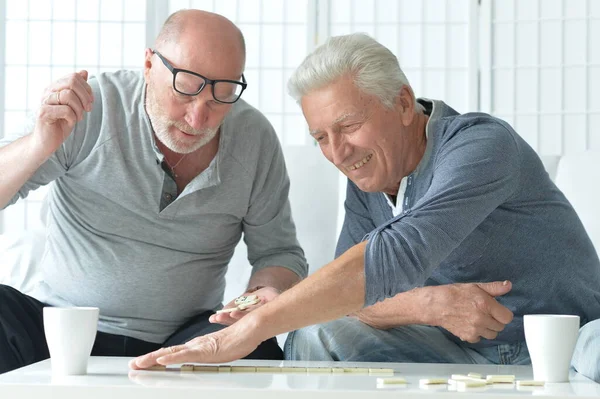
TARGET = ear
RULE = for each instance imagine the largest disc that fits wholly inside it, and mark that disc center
(405, 105)
(147, 63)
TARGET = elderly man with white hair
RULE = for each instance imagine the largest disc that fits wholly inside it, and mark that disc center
(453, 231)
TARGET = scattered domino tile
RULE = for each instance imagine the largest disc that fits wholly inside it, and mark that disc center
(464, 384)
(157, 367)
(186, 367)
(243, 369)
(382, 372)
(530, 383)
(207, 369)
(462, 377)
(475, 375)
(392, 380)
(224, 369)
(501, 379)
(433, 381)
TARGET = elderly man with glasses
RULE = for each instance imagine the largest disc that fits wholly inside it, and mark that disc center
(155, 178)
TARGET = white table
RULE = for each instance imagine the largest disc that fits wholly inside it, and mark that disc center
(110, 378)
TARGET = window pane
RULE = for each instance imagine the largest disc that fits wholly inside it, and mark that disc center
(39, 42)
(134, 10)
(133, 46)
(88, 10)
(387, 11)
(295, 11)
(272, 11)
(40, 9)
(38, 78)
(63, 33)
(340, 12)
(16, 47)
(249, 11)
(16, 9)
(87, 32)
(63, 10)
(14, 123)
(110, 44)
(364, 11)
(111, 10)
(295, 45)
(15, 86)
(272, 46)
(271, 91)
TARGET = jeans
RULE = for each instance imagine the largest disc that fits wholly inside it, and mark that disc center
(22, 339)
(348, 339)
(586, 357)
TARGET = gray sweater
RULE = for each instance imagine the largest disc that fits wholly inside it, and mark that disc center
(479, 207)
(117, 237)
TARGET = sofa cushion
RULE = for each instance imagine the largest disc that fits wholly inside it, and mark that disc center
(578, 176)
(21, 254)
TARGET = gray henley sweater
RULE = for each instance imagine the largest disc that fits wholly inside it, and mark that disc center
(121, 239)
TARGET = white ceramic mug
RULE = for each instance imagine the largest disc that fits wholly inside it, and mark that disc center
(551, 340)
(70, 335)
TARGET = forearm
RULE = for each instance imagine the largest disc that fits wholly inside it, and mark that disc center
(333, 291)
(277, 277)
(19, 160)
(403, 309)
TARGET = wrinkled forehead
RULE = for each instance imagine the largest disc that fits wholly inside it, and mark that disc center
(331, 114)
(336, 102)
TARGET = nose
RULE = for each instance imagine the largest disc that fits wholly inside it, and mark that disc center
(198, 110)
(340, 150)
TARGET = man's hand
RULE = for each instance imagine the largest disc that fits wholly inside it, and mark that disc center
(63, 105)
(231, 343)
(265, 295)
(468, 311)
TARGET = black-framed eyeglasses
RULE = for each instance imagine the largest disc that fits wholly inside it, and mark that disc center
(191, 83)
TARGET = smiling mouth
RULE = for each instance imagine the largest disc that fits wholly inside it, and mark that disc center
(360, 163)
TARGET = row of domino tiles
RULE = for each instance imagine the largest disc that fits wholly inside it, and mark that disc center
(275, 369)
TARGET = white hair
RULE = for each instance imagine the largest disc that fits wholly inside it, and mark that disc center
(375, 68)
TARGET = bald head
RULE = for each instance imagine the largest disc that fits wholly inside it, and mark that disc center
(195, 33)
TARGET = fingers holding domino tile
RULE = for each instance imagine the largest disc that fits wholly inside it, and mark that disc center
(242, 305)
(229, 315)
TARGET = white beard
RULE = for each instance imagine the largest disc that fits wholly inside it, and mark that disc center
(161, 125)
